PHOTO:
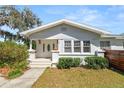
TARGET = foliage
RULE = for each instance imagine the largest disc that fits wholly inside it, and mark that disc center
(20, 65)
(14, 73)
(67, 62)
(27, 42)
(11, 52)
(13, 56)
(96, 62)
(76, 62)
(17, 19)
(2, 64)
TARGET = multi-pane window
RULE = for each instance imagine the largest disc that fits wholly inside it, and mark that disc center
(86, 46)
(105, 45)
(67, 46)
(77, 46)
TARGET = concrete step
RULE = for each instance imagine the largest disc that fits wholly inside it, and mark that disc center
(39, 66)
(40, 63)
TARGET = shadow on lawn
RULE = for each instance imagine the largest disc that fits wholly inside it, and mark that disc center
(110, 68)
(117, 70)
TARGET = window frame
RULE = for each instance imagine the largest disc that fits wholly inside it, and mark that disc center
(77, 46)
(87, 46)
(68, 46)
(103, 46)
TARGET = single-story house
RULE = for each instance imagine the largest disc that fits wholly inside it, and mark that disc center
(65, 38)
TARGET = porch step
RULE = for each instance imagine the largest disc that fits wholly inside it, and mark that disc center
(40, 63)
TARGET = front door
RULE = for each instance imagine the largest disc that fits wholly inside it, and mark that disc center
(46, 47)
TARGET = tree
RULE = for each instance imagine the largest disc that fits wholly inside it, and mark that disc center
(16, 19)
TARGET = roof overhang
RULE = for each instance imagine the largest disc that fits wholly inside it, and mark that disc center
(113, 36)
(64, 21)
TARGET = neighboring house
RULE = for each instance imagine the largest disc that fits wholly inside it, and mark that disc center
(68, 38)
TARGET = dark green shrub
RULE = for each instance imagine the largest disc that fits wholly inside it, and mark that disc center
(11, 52)
(76, 62)
(96, 62)
(65, 63)
(14, 73)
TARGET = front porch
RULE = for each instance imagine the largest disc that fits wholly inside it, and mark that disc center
(45, 54)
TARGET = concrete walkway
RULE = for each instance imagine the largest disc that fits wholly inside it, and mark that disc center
(25, 81)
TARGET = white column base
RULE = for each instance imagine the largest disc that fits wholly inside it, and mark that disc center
(31, 54)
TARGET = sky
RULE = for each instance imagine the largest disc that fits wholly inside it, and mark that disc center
(107, 17)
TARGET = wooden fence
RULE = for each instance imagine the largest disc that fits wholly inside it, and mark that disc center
(116, 58)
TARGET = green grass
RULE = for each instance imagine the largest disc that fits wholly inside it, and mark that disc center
(79, 78)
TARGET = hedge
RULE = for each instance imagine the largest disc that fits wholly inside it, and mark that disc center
(68, 62)
(96, 62)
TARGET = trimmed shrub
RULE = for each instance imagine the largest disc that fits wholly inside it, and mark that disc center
(76, 62)
(96, 62)
(68, 62)
(14, 73)
(65, 63)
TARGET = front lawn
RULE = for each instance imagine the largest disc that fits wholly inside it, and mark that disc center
(79, 78)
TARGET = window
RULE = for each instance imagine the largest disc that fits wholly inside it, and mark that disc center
(77, 46)
(123, 44)
(67, 46)
(105, 44)
(48, 47)
(86, 46)
(43, 47)
(53, 46)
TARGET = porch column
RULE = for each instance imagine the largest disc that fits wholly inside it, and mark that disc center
(81, 46)
(30, 45)
(59, 45)
(31, 52)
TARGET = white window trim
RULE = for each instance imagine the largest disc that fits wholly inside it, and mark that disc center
(66, 46)
(104, 41)
(77, 46)
(86, 46)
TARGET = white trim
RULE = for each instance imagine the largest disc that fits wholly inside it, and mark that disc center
(72, 46)
(30, 47)
(77, 46)
(81, 46)
(89, 46)
(68, 46)
(113, 36)
(75, 54)
(75, 24)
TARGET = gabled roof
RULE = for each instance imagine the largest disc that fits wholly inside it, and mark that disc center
(64, 21)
